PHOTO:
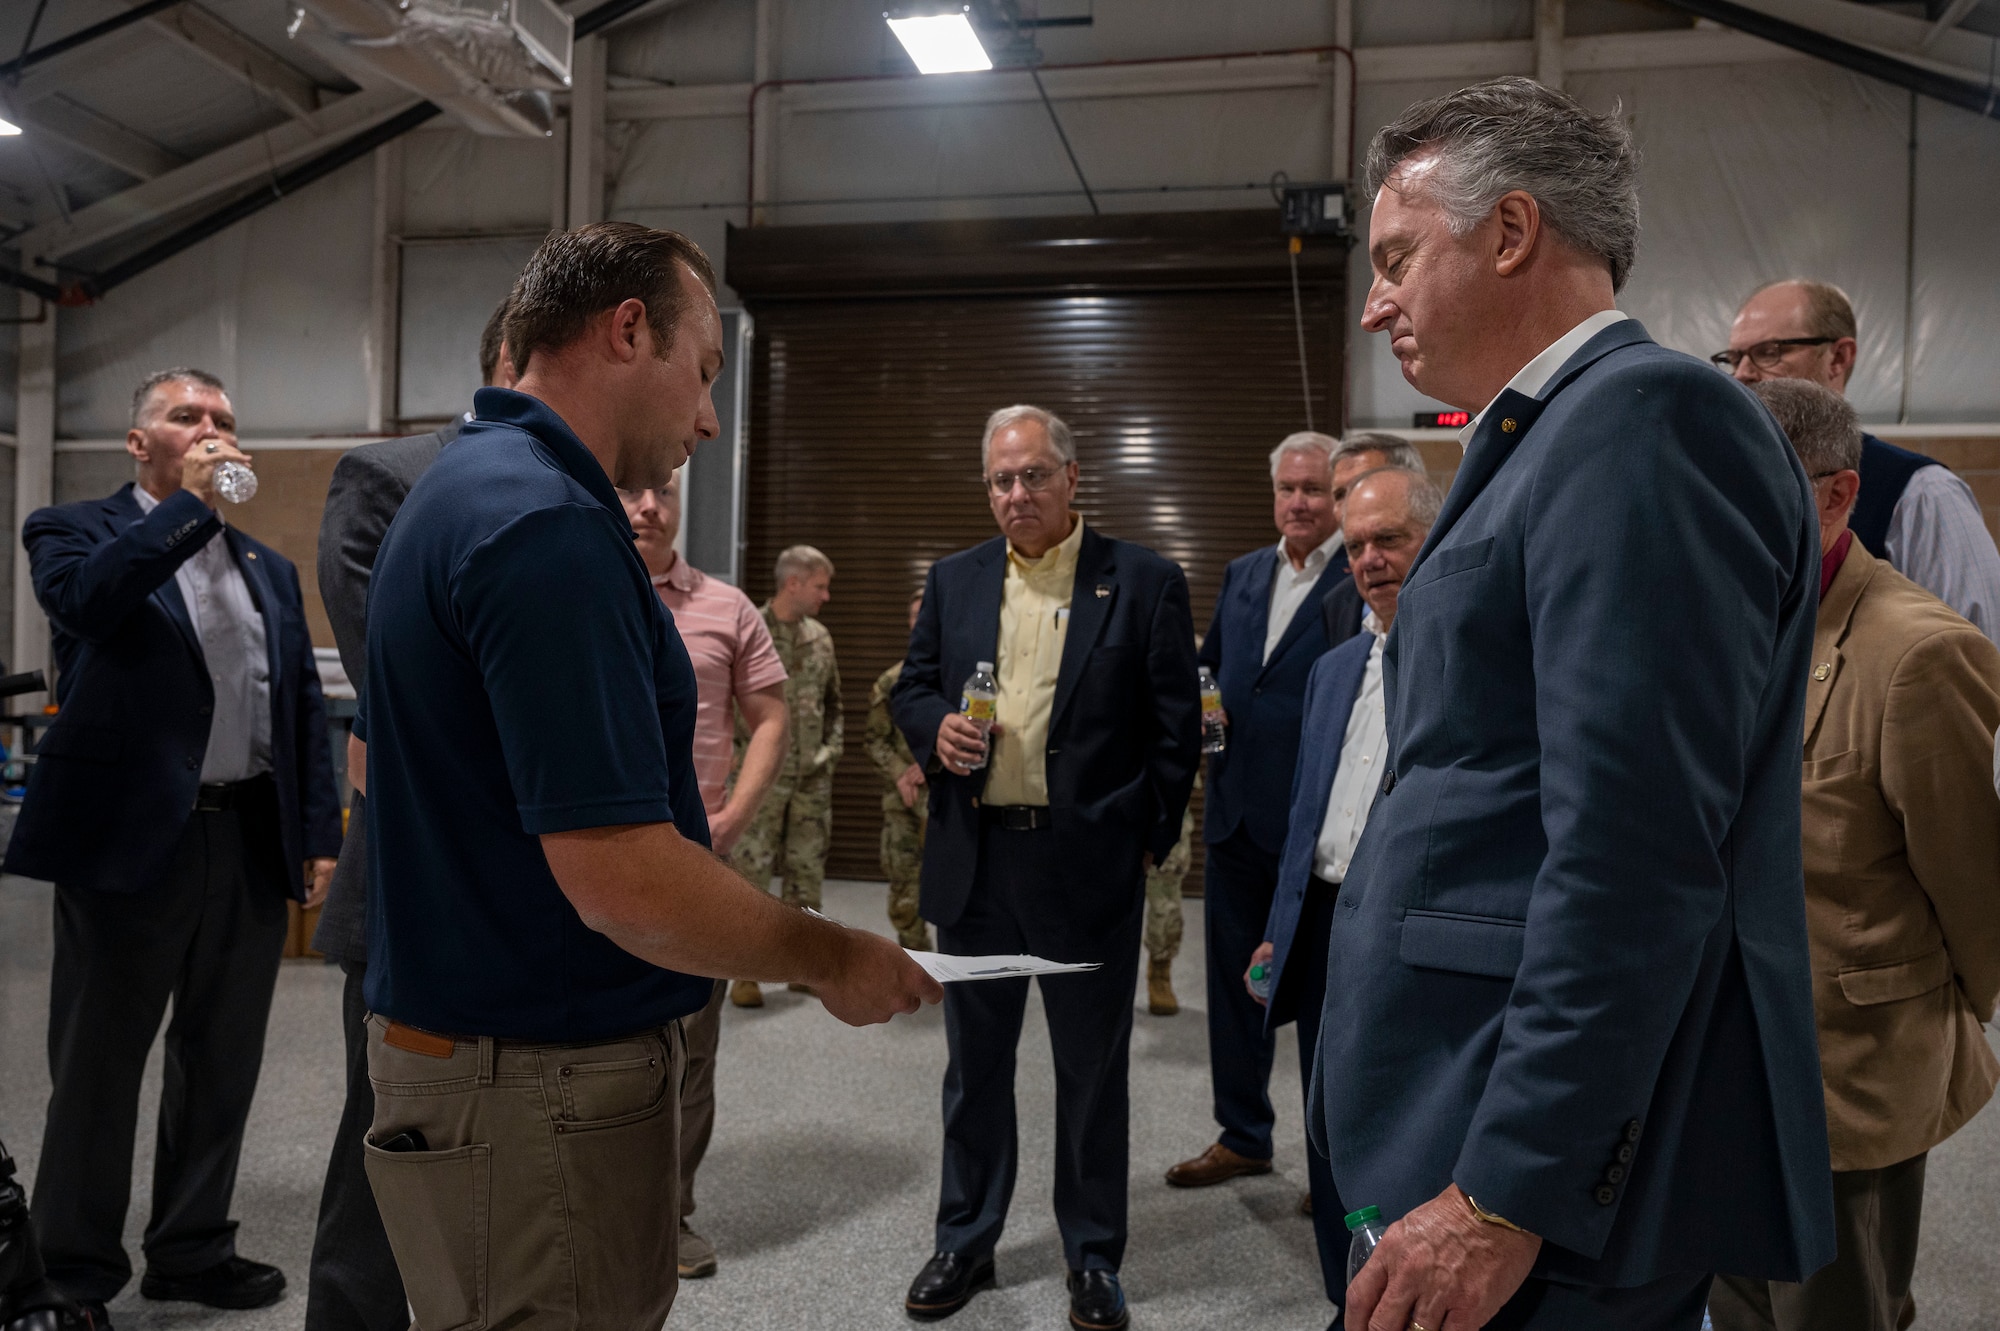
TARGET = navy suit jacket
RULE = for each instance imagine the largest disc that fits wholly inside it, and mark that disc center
(1248, 780)
(1331, 688)
(115, 778)
(1124, 735)
(1571, 948)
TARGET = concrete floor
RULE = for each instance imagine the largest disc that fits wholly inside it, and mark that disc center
(820, 1185)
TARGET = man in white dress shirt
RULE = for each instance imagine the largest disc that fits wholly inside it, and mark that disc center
(1914, 511)
(1345, 747)
(1267, 632)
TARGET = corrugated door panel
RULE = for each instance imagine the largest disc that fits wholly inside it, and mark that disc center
(864, 441)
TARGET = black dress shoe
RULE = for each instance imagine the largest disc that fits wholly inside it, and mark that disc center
(94, 1316)
(234, 1282)
(1096, 1303)
(946, 1284)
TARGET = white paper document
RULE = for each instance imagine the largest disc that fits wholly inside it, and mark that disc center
(947, 969)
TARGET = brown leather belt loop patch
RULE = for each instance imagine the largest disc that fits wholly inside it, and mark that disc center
(418, 1042)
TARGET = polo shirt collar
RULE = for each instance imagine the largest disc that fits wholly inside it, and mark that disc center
(504, 406)
(680, 575)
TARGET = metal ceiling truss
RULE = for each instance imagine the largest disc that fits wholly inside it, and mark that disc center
(1934, 59)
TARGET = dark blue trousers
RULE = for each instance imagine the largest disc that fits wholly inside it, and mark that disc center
(1305, 993)
(353, 1283)
(1023, 900)
(1239, 882)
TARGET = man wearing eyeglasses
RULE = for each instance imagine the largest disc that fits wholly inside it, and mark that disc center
(1913, 511)
(1039, 843)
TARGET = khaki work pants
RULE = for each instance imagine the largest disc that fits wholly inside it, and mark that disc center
(1877, 1215)
(704, 1039)
(546, 1195)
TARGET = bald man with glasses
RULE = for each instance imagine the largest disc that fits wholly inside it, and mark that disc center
(1913, 510)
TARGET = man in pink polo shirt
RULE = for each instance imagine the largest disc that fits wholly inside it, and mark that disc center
(734, 663)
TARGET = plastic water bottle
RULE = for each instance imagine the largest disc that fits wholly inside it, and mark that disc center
(1260, 981)
(1367, 1228)
(982, 692)
(236, 482)
(1214, 731)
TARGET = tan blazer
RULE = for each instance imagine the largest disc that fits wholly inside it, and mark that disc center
(1902, 859)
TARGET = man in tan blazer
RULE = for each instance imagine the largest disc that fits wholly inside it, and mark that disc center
(1902, 860)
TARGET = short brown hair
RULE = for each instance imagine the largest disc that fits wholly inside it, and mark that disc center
(577, 275)
(802, 561)
(1829, 313)
(492, 338)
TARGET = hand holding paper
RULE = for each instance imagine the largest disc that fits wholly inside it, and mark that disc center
(946, 969)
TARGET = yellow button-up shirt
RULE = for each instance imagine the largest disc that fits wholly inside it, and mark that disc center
(1034, 623)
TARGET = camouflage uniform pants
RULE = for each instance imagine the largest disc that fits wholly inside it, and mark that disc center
(1163, 904)
(788, 837)
(902, 865)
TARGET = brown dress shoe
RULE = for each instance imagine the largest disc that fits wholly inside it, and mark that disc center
(746, 993)
(1305, 1203)
(1218, 1164)
(1160, 1000)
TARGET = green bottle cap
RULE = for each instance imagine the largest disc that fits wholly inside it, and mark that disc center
(1259, 971)
(1365, 1216)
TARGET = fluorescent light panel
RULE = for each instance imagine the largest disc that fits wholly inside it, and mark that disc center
(941, 44)
(8, 127)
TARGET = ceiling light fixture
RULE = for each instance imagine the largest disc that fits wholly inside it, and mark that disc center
(8, 127)
(940, 43)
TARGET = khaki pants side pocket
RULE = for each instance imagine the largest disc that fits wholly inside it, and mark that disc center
(436, 1207)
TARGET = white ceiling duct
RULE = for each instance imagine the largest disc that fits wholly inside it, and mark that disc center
(490, 63)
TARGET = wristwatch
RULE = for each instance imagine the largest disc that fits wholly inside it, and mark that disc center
(1481, 1213)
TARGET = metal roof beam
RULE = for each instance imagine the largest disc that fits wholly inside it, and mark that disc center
(236, 55)
(218, 172)
(99, 136)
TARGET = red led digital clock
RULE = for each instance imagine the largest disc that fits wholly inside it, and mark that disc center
(1448, 420)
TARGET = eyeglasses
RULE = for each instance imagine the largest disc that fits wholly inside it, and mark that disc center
(1766, 355)
(1033, 479)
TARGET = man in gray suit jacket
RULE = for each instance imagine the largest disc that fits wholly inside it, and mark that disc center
(354, 1285)
(1569, 1049)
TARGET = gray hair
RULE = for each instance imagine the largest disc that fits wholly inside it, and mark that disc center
(1396, 451)
(1305, 441)
(801, 561)
(142, 396)
(1420, 493)
(1823, 428)
(1060, 439)
(1514, 134)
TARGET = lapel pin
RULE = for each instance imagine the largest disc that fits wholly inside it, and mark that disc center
(252, 554)
(1822, 670)
(1102, 591)
(1507, 426)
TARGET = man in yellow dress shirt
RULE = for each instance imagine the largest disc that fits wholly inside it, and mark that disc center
(1041, 845)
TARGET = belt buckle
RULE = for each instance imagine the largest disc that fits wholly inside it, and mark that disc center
(206, 803)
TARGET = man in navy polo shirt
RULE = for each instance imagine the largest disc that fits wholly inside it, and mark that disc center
(546, 906)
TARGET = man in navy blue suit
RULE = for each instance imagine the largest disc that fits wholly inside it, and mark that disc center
(1039, 841)
(1343, 752)
(1265, 634)
(1569, 1046)
(184, 793)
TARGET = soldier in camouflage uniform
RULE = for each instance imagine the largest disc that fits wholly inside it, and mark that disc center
(790, 832)
(905, 807)
(1163, 918)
